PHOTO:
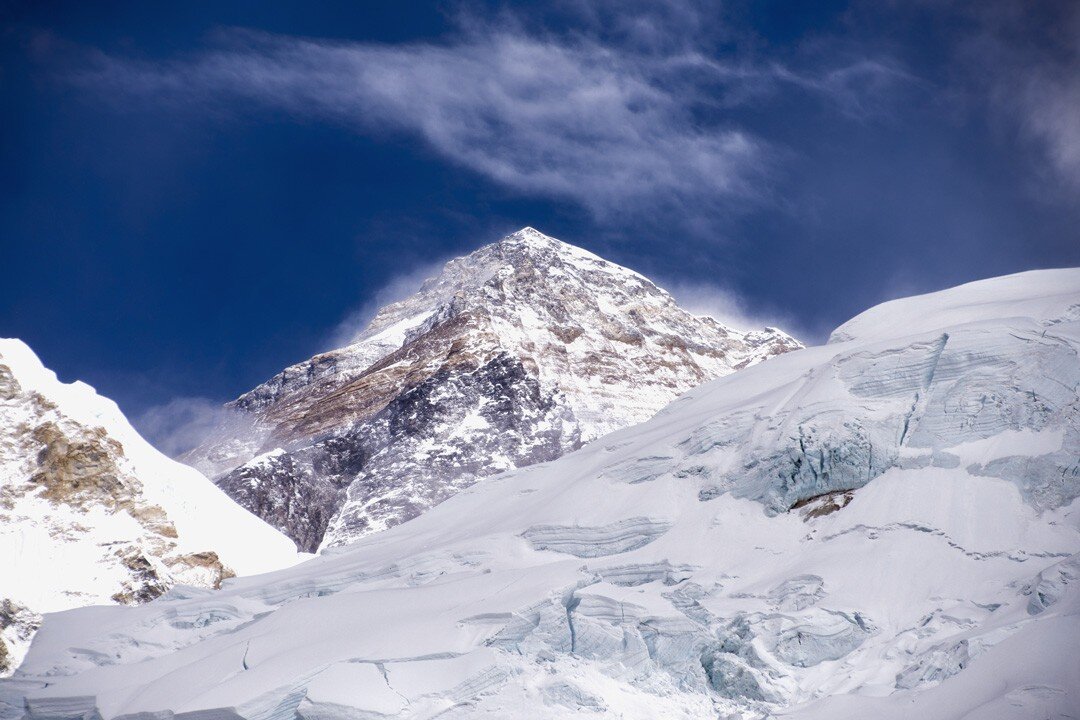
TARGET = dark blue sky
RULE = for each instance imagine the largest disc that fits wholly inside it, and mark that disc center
(197, 194)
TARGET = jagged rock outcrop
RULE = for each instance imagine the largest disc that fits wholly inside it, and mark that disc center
(513, 355)
(17, 626)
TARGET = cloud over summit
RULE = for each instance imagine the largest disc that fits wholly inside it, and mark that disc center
(612, 128)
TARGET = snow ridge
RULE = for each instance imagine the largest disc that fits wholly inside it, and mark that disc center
(91, 513)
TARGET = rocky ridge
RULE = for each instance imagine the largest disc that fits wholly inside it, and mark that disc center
(79, 522)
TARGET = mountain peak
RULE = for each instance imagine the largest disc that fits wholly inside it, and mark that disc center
(530, 234)
(522, 269)
(514, 354)
(530, 243)
(527, 241)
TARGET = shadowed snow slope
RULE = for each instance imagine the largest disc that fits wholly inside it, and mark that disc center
(91, 513)
(882, 527)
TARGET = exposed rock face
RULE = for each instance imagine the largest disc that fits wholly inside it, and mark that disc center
(429, 442)
(77, 525)
(17, 627)
(515, 354)
(64, 463)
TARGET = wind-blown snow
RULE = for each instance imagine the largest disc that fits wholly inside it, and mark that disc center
(882, 527)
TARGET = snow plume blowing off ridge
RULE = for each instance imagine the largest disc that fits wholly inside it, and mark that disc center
(182, 423)
(396, 289)
(728, 307)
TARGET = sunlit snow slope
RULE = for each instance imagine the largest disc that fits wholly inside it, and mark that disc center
(883, 527)
(91, 513)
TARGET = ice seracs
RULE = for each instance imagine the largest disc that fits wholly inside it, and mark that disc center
(90, 513)
(882, 527)
(513, 355)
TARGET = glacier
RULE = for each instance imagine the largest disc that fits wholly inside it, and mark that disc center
(884, 526)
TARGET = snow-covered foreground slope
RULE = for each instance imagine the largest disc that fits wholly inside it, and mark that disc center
(883, 527)
(514, 354)
(91, 513)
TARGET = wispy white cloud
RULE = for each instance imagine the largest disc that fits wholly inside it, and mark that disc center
(860, 89)
(543, 118)
(614, 128)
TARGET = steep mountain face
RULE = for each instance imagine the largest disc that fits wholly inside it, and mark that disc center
(90, 513)
(882, 527)
(516, 354)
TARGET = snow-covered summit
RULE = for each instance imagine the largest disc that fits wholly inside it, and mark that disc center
(875, 528)
(91, 513)
(527, 253)
(514, 354)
